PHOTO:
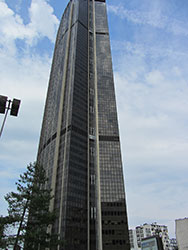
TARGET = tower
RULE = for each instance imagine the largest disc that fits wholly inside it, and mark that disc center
(79, 144)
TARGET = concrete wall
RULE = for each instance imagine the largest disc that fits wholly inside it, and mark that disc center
(182, 233)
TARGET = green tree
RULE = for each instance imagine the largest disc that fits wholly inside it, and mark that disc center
(6, 238)
(28, 210)
(3, 241)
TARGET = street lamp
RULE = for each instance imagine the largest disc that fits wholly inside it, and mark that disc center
(5, 106)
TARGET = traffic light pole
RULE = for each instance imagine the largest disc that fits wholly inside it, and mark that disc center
(7, 109)
(15, 104)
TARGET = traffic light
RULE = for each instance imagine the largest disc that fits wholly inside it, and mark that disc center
(3, 101)
(15, 107)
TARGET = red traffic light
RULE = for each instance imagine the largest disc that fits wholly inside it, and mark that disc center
(15, 107)
(3, 101)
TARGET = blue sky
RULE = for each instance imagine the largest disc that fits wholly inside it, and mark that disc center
(150, 58)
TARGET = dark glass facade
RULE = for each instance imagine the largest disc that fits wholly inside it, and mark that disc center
(79, 145)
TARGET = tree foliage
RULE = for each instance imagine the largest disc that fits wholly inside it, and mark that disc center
(28, 212)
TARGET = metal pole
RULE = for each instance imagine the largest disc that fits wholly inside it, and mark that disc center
(9, 102)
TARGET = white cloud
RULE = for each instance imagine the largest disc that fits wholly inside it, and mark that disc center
(45, 26)
(12, 26)
(154, 110)
(154, 77)
(24, 79)
(23, 76)
(153, 115)
(153, 18)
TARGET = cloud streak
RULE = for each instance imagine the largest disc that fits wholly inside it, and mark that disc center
(151, 89)
(153, 18)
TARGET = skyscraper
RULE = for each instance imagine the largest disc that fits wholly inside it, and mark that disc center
(79, 143)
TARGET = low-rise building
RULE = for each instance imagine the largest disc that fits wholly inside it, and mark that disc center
(146, 230)
(173, 244)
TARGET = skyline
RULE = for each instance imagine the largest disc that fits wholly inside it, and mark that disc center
(149, 60)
